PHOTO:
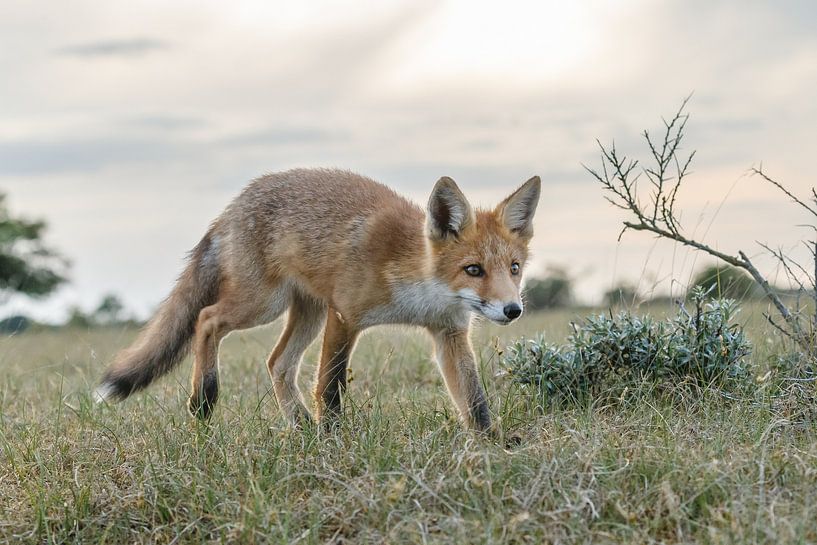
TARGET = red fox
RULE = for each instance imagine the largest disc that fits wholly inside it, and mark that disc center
(340, 252)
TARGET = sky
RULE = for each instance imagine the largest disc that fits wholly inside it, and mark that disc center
(129, 125)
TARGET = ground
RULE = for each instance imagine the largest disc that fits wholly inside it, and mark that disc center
(653, 467)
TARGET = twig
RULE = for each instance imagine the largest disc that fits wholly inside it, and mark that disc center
(781, 187)
(619, 175)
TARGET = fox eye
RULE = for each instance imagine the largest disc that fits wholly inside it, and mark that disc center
(515, 268)
(474, 270)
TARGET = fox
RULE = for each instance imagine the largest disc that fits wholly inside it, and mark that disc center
(339, 253)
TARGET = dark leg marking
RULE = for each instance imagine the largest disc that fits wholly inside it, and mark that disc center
(201, 404)
(336, 384)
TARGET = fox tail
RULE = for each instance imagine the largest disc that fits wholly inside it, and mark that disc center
(165, 339)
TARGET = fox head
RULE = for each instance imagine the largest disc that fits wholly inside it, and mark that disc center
(480, 254)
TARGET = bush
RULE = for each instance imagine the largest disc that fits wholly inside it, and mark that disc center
(109, 312)
(78, 318)
(553, 291)
(702, 347)
(622, 295)
(15, 324)
(725, 281)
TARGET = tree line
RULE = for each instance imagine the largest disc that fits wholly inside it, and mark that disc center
(555, 289)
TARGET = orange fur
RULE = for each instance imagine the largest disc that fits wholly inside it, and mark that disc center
(337, 248)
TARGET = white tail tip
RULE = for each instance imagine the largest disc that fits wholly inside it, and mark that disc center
(103, 393)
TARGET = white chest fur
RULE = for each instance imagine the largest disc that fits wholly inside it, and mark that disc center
(425, 303)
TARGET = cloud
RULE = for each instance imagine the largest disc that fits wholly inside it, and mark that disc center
(284, 135)
(33, 157)
(485, 180)
(166, 122)
(131, 47)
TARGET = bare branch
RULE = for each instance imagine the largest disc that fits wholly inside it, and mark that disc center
(781, 187)
(787, 264)
(814, 293)
(732, 260)
(619, 176)
(776, 326)
(791, 319)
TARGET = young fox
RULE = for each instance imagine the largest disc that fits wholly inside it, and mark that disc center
(344, 253)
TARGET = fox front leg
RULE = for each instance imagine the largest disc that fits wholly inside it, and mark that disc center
(330, 385)
(458, 366)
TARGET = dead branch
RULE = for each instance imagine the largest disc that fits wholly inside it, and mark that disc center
(781, 187)
(619, 177)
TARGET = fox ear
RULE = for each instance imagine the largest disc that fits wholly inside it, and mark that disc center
(517, 210)
(448, 211)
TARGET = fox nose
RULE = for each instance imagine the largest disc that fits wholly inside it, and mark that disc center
(512, 311)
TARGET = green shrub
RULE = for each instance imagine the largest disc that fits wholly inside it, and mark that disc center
(703, 347)
(622, 295)
(725, 281)
(553, 291)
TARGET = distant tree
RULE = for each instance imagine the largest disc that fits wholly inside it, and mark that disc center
(110, 310)
(724, 281)
(26, 265)
(621, 295)
(78, 318)
(555, 290)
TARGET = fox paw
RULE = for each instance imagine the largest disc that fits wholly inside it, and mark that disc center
(200, 408)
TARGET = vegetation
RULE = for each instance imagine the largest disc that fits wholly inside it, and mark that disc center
(109, 312)
(605, 353)
(697, 427)
(27, 265)
(622, 295)
(654, 211)
(661, 466)
(15, 324)
(725, 281)
(554, 290)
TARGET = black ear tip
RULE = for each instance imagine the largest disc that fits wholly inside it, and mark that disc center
(446, 186)
(535, 180)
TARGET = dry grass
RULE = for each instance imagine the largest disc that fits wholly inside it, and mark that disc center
(649, 468)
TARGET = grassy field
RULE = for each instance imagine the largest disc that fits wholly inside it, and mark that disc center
(652, 468)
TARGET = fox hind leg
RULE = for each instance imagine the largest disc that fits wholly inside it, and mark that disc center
(304, 322)
(214, 323)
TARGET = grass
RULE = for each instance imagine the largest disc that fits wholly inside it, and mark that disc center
(650, 468)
